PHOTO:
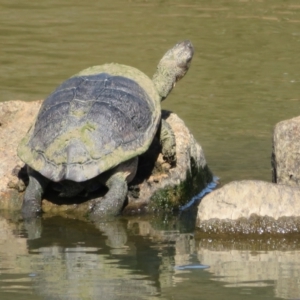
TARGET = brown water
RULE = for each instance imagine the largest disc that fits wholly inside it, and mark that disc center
(243, 80)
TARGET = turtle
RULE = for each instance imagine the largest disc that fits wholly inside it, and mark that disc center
(93, 128)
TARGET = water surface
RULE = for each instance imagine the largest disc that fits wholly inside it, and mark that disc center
(140, 258)
(243, 80)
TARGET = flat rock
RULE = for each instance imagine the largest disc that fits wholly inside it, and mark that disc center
(250, 206)
(158, 185)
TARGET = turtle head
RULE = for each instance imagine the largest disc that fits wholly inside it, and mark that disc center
(172, 67)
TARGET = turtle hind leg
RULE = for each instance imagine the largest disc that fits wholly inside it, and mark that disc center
(168, 143)
(117, 182)
(111, 204)
(32, 202)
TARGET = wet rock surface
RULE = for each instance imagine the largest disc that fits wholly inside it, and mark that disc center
(254, 225)
(158, 184)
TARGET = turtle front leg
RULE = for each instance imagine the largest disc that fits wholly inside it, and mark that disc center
(117, 182)
(168, 143)
(32, 202)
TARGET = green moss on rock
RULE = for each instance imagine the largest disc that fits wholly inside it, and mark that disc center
(174, 196)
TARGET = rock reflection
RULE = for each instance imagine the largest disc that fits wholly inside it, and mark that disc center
(15, 271)
(140, 258)
(254, 262)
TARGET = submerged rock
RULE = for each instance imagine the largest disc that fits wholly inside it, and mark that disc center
(250, 206)
(157, 185)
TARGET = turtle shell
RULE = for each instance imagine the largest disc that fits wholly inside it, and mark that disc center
(92, 122)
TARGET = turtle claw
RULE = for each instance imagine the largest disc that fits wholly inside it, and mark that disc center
(111, 204)
(33, 227)
(99, 214)
(31, 209)
(96, 213)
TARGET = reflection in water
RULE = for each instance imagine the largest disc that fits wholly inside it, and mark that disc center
(255, 263)
(141, 259)
(13, 273)
(78, 261)
(83, 273)
(244, 78)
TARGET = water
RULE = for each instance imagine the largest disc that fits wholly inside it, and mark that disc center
(243, 80)
(141, 258)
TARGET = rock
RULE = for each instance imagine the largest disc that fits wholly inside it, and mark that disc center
(15, 119)
(286, 154)
(257, 206)
(158, 185)
(170, 187)
(250, 207)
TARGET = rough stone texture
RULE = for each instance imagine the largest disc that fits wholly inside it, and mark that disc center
(256, 206)
(171, 187)
(250, 207)
(157, 184)
(286, 154)
(15, 119)
(244, 198)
